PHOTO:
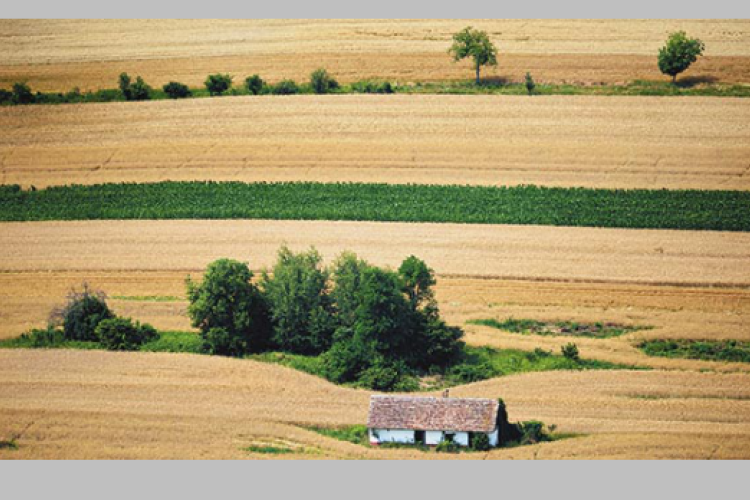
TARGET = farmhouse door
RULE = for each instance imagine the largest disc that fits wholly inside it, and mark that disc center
(419, 437)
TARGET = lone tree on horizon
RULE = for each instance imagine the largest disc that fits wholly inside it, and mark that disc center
(475, 44)
(679, 53)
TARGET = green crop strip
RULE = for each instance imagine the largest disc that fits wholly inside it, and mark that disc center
(652, 209)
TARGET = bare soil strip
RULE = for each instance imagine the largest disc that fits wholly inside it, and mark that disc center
(587, 141)
(138, 405)
(58, 55)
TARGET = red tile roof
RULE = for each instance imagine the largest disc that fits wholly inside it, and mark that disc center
(432, 414)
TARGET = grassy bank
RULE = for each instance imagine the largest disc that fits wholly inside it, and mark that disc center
(708, 350)
(685, 87)
(615, 208)
(476, 363)
(559, 328)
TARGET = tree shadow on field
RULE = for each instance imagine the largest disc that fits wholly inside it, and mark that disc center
(691, 81)
(494, 81)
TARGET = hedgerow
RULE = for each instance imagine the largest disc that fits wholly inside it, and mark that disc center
(651, 209)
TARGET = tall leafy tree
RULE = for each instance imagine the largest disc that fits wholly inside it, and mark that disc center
(301, 309)
(474, 44)
(229, 309)
(679, 53)
(347, 275)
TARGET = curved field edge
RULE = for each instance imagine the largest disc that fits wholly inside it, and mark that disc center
(527, 205)
(224, 405)
(475, 363)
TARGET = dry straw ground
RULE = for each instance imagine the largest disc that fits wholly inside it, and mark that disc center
(97, 404)
(590, 141)
(124, 405)
(138, 405)
(61, 54)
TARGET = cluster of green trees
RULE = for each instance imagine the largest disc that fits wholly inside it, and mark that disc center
(372, 327)
(86, 317)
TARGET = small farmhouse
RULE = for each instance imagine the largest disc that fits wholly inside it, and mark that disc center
(429, 420)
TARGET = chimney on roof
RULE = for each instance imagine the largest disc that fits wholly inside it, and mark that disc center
(445, 393)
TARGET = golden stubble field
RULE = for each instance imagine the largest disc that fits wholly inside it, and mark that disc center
(587, 141)
(683, 284)
(125, 405)
(138, 405)
(58, 55)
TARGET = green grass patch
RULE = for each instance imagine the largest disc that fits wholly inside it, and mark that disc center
(686, 86)
(53, 339)
(46, 339)
(8, 444)
(652, 209)
(481, 363)
(269, 450)
(175, 342)
(708, 350)
(148, 298)
(356, 434)
(476, 363)
(559, 328)
(308, 364)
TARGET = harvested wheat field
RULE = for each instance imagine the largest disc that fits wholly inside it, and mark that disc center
(118, 405)
(57, 55)
(702, 258)
(586, 141)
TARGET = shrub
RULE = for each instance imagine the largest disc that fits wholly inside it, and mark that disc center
(121, 334)
(82, 313)
(254, 84)
(321, 82)
(530, 85)
(541, 353)
(570, 351)
(176, 90)
(447, 446)
(134, 91)
(679, 53)
(43, 337)
(22, 94)
(6, 96)
(385, 375)
(345, 360)
(480, 442)
(532, 432)
(218, 84)
(301, 310)
(369, 87)
(285, 87)
(466, 373)
(229, 309)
